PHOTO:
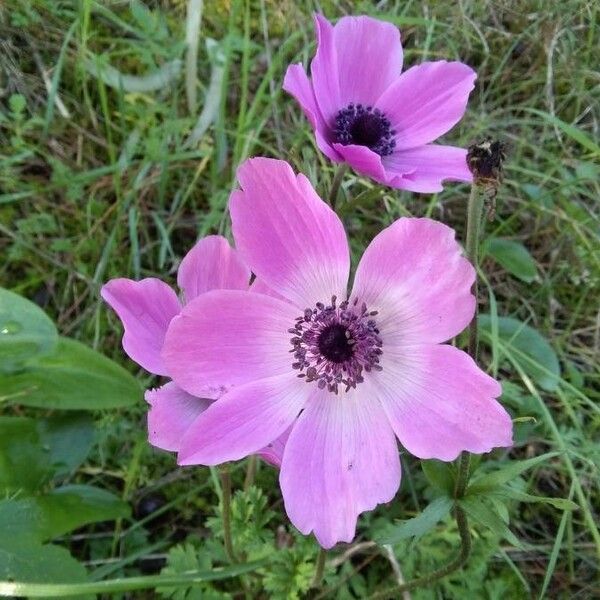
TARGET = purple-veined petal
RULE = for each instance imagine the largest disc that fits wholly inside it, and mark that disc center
(369, 58)
(212, 264)
(414, 274)
(341, 459)
(172, 412)
(424, 169)
(362, 160)
(244, 420)
(287, 235)
(273, 452)
(228, 337)
(145, 308)
(440, 403)
(427, 101)
(297, 84)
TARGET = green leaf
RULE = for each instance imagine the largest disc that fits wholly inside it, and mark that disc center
(25, 331)
(483, 511)
(69, 438)
(439, 474)
(513, 256)
(421, 524)
(24, 464)
(67, 508)
(525, 346)
(23, 558)
(513, 494)
(505, 474)
(74, 377)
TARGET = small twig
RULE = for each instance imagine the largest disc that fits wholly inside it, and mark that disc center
(389, 552)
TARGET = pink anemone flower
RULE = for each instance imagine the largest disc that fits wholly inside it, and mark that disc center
(146, 308)
(366, 113)
(348, 373)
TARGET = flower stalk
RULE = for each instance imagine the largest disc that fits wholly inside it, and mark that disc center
(336, 184)
(226, 508)
(319, 568)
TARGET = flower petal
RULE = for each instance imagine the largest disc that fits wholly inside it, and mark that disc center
(427, 101)
(369, 58)
(440, 403)
(244, 420)
(228, 337)
(414, 274)
(212, 264)
(145, 308)
(172, 412)
(297, 84)
(363, 160)
(287, 235)
(341, 459)
(324, 71)
(273, 452)
(423, 169)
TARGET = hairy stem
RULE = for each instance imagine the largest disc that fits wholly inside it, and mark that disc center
(226, 506)
(250, 472)
(337, 182)
(319, 568)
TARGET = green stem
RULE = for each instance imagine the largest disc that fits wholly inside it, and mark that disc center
(319, 568)
(125, 584)
(337, 182)
(226, 506)
(250, 472)
(455, 564)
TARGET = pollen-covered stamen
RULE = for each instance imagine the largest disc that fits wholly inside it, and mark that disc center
(334, 345)
(365, 126)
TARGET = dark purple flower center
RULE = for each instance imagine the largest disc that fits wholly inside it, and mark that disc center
(334, 345)
(364, 126)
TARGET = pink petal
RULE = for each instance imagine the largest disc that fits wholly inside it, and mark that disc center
(414, 274)
(244, 420)
(228, 337)
(440, 403)
(298, 85)
(427, 101)
(287, 235)
(145, 308)
(172, 412)
(273, 452)
(423, 169)
(341, 459)
(212, 264)
(324, 71)
(363, 160)
(369, 58)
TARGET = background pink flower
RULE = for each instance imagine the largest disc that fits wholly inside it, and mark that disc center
(347, 373)
(381, 122)
(147, 307)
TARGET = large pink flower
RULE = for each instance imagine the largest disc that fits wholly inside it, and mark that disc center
(347, 372)
(147, 307)
(364, 112)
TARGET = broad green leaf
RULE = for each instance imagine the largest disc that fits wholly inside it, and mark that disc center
(439, 474)
(483, 511)
(507, 473)
(513, 256)
(25, 331)
(24, 463)
(421, 524)
(74, 377)
(67, 508)
(525, 346)
(22, 556)
(69, 438)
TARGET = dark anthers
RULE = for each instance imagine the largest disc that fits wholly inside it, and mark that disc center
(365, 126)
(333, 345)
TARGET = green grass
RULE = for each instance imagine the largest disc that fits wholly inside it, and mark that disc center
(98, 181)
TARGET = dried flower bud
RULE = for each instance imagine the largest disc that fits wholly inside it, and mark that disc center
(485, 161)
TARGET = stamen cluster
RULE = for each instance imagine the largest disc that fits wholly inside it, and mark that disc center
(365, 126)
(333, 345)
